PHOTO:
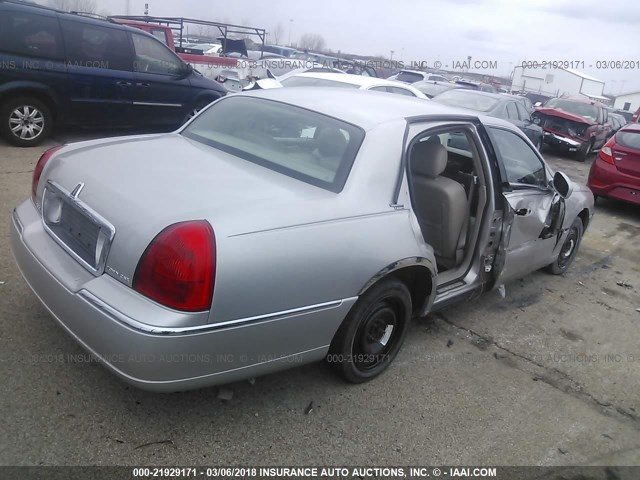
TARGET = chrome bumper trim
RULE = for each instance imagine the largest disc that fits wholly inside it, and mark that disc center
(160, 330)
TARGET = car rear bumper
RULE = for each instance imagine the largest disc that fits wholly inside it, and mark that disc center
(606, 180)
(163, 358)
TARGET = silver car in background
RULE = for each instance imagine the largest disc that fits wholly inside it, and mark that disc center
(286, 226)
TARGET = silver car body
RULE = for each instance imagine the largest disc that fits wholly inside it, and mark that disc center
(292, 258)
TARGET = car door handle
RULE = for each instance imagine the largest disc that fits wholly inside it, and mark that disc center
(143, 84)
(123, 84)
(523, 212)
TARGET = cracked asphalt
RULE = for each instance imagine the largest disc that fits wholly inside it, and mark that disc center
(548, 375)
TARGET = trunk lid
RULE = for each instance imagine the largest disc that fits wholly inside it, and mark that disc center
(140, 185)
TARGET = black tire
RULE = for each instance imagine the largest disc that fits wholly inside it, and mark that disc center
(21, 131)
(584, 151)
(358, 352)
(569, 249)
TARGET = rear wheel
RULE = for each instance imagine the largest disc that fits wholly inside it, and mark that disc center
(371, 336)
(569, 249)
(25, 121)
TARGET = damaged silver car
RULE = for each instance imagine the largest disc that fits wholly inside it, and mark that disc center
(286, 226)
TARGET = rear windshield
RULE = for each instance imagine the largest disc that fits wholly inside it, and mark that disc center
(585, 110)
(409, 77)
(314, 82)
(467, 99)
(302, 144)
(629, 139)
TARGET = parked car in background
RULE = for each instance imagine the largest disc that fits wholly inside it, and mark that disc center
(471, 85)
(628, 116)
(278, 50)
(356, 232)
(68, 69)
(496, 105)
(431, 88)
(206, 48)
(313, 68)
(576, 125)
(413, 76)
(342, 80)
(614, 123)
(537, 99)
(615, 173)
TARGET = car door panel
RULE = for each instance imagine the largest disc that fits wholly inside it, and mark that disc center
(531, 208)
(99, 66)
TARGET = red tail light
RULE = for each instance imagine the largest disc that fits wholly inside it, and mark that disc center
(606, 153)
(37, 172)
(178, 268)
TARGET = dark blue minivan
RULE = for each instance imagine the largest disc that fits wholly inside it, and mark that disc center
(61, 68)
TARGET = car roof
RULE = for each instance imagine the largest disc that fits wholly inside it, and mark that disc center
(496, 96)
(366, 109)
(76, 17)
(631, 127)
(360, 80)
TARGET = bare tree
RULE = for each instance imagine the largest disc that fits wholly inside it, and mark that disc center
(277, 33)
(88, 6)
(312, 41)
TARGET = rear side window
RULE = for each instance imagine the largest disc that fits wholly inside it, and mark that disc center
(629, 139)
(89, 45)
(296, 142)
(512, 112)
(30, 35)
(400, 91)
(524, 114)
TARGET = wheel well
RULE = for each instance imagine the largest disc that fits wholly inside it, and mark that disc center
(417, 282)
(26, 92)
(584, 216)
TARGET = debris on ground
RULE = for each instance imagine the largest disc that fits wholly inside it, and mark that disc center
(449, 343)
(563, 451)
(252, 381)
(2, 283)
(502, 291)
(580, 283)
(624, 284)
(159, 442)
(309, 408)
(225, 394)
(498, 356)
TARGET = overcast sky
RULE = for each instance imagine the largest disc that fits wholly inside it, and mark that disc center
(507, 31)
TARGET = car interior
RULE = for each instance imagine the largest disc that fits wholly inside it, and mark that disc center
(446, 185)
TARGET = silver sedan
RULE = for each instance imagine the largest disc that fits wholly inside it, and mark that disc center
(286, 226)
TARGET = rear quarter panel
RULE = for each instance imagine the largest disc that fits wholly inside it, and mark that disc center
(307, 264)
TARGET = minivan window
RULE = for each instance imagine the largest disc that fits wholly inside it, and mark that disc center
(296, 142)
(89, 45)
(152, 56)
(30, 35)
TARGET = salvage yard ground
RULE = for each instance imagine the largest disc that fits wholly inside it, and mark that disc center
(548, 375)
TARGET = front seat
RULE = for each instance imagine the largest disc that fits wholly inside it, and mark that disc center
(440, 203)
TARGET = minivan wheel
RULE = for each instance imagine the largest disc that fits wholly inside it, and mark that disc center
(371, 336)
(26, 121)
(569, 249)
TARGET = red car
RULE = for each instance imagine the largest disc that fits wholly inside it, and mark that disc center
(616, 170)
(574, 124)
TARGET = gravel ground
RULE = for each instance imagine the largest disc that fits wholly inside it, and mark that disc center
(549, 375)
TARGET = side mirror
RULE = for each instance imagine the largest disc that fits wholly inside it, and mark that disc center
(186, 70)
(563, 185)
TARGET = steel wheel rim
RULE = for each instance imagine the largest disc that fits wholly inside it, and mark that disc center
(376, 337)
(26, 122)
(568, 248)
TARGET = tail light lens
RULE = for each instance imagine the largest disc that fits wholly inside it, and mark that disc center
(178, 267)
(606, 153)
(37, 172)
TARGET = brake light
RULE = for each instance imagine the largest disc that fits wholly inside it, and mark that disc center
(178, 267)
(606, 153)
(37, 171)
